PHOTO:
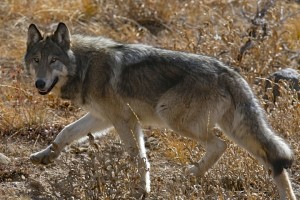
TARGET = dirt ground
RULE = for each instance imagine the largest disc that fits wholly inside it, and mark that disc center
(104, 171)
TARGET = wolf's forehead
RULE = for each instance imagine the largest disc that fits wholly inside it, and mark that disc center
(47, 42)
(46, 46)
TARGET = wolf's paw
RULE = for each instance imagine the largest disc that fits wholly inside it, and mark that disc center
(45, 156)
(144, 186)
(193, 170)
(140, 193)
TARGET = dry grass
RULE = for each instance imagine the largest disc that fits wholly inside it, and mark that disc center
(28, 122)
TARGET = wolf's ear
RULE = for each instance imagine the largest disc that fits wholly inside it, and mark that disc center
(62, 35)
(34, 35)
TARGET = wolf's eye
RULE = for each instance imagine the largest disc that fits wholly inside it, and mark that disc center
(36, 60)
(53, 60)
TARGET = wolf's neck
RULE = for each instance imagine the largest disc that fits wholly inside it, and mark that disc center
(71, 88)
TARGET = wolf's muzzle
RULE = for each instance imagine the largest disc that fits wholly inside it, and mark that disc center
(40, 84)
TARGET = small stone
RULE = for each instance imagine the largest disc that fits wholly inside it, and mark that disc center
(287, 74)
(3, 159)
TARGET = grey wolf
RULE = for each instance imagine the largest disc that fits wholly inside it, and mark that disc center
(128, 86)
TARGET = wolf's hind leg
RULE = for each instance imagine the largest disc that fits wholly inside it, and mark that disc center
(214, 148)
(189, 123)
(253, 134)
(284, 186)
(70, 133)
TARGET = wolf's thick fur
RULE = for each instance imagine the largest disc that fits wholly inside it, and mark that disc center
(126, 86)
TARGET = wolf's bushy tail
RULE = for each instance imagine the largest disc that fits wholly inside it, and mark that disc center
(250, 128)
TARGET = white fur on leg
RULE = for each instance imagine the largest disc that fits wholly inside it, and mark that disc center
(143, 156)
(284, 186)
(215, 148)
(135, 146)
(71, 132)
(76, 130)
(45, 156)
(192, 170)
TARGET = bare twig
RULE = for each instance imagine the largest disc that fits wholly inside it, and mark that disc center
(248, 45)
(295, 54)
(257, 22)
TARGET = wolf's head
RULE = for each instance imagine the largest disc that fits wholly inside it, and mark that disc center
(49, 58)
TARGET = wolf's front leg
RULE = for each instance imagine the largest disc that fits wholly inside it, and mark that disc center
(45, 156)
(70, 133)
(132, 135)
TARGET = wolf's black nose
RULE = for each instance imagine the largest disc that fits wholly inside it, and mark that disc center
(40, 84)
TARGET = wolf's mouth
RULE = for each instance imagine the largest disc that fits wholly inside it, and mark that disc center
(44, 92)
